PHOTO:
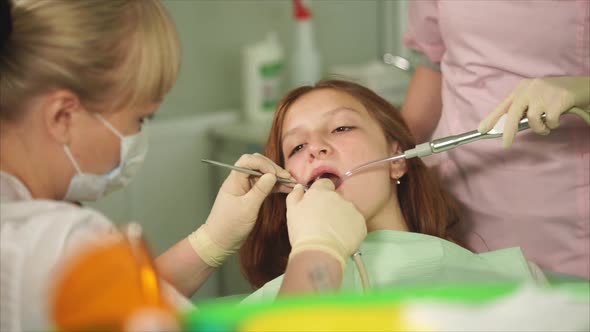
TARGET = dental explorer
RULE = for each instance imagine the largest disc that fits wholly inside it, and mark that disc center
(251, 172)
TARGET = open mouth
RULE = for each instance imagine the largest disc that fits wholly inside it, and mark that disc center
(327, 175)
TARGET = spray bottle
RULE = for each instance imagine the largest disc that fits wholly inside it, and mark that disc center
(306, 64)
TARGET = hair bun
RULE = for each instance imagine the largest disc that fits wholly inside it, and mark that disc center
(5, 22)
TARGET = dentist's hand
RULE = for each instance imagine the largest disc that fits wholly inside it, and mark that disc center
(551, 95)
(235, 209)
(320, 219)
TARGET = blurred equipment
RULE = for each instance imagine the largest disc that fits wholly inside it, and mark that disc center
(107, 284)
(444, 307)
(262, 77)
(397, 61)
(306, 63)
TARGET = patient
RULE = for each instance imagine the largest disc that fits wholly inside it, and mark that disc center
(326, 130)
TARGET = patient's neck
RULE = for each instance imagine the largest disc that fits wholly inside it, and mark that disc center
(389, 217)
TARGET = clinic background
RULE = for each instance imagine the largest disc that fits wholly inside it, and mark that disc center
(202, 116)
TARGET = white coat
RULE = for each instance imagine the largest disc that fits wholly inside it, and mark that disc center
(36, 236)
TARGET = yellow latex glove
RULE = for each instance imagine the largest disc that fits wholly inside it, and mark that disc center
(320, 219)
(551, 95)
(235, 209)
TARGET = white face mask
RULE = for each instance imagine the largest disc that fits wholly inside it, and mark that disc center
(91, 187)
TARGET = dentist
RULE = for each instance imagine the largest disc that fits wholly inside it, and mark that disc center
(78, 79)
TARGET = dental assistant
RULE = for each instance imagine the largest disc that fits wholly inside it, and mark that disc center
(77, 81)
(483, 59)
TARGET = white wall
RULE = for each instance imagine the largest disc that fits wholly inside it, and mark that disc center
(212, 33)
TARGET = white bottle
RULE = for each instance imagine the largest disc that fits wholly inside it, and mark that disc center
(306, 63)
(262, 77)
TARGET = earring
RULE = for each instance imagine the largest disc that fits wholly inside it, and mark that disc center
(398, 182)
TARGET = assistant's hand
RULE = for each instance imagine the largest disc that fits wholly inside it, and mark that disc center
(552, 96)
(235, 209)
(320, 219)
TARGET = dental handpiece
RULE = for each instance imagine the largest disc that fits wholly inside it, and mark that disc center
(435, 146)
(451, 142)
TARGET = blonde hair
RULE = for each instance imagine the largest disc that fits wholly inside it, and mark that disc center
(111, 54)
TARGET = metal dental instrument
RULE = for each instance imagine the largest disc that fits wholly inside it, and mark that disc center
(451, 142)
(439, 145)
(251, 172)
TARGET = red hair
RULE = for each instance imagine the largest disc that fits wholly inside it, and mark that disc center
(426, 207)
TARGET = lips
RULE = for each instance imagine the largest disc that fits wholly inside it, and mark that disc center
(323, 172)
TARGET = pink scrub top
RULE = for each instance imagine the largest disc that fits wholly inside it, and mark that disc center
(535, 195)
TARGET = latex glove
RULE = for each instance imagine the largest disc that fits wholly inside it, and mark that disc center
(235, 209)
(320, 219)
(533, 97)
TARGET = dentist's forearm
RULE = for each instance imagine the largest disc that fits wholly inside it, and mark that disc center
(182, 267)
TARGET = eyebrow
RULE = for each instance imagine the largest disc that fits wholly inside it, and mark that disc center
(327, 114)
